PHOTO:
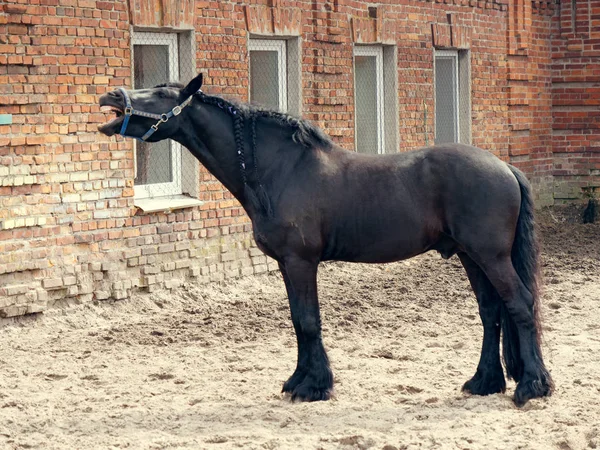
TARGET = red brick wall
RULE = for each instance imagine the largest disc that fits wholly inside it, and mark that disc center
(69, 230)
(576, 98)
(529, 75)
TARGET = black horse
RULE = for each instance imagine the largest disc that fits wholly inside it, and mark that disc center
(311, 201)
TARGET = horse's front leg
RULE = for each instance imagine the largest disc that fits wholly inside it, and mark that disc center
(312, 379)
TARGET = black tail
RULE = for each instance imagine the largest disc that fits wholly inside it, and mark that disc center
(525, 258)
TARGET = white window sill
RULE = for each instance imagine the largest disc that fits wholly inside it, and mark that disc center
(165, 204)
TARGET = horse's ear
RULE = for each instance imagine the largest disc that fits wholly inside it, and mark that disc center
(192, 87)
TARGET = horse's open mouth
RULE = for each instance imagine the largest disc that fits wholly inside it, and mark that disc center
(107, 108)
(114, 114)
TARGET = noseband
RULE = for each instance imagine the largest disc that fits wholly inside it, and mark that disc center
(162, 118)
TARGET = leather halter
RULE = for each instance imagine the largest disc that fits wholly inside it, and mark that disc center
(162, 118)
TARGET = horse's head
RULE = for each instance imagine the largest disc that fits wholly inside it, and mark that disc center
(147, 114)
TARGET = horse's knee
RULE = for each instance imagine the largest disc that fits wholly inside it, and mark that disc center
(310, 327)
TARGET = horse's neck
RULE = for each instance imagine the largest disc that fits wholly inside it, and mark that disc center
(209, 136)
(277, 155)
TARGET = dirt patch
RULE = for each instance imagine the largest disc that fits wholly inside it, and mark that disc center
(202, 367)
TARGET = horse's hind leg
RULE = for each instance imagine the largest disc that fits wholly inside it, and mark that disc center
(526, 364)
(312, 380)
(489, 378)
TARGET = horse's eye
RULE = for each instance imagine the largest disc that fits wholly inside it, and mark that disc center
(163, 94)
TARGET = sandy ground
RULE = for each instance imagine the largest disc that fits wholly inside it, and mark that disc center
(202, 367)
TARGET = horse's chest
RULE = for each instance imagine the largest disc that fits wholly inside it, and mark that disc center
(280, 238)
(263, 242)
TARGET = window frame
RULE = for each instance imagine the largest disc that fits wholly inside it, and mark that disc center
(377, 52)
(174, 187)
(455, 57)
(279, 46)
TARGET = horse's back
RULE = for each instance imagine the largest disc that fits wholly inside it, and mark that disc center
(443, 176)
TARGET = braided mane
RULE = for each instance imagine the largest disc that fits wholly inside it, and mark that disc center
(304, 132)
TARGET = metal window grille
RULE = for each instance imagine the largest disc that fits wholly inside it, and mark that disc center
(369, 98)
(447, 119)
(159, 169)
(452, 86)
(268, 73)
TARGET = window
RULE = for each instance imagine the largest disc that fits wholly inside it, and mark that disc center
(452, 103)
(268, 71)
(275, 74)
(375, 99)
(158, 165)
(368, 88)
(166, 175)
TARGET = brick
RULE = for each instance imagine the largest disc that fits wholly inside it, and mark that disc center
(149, 251)
(71, 198)
(101, 295)
(179, 246)
(119, 295)
(36, 308)
(69, 281)
(181, 264)
(15, 289)
(166, 248)
(150, 270)
(133, 253)
(168, 266)
(52, 283)
(100, 80)
(12, 311)
(109, 267)
(8, 224)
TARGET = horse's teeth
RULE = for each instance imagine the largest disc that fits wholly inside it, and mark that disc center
(108, 108)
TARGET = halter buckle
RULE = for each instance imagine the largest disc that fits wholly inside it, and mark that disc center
(154, 127)
(128, 111)
(177, 110)
(164, 117)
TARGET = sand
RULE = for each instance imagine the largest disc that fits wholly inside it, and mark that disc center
(202, 366)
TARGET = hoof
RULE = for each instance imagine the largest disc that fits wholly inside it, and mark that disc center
(485, 385)
(306, 393)
(536, 388)
(292, 383)
(306, 387)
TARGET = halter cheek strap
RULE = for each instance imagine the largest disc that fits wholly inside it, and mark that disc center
(162, 118)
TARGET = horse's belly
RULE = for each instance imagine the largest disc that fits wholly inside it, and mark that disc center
(381, 249)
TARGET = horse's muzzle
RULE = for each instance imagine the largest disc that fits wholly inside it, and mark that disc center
(111, 102)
